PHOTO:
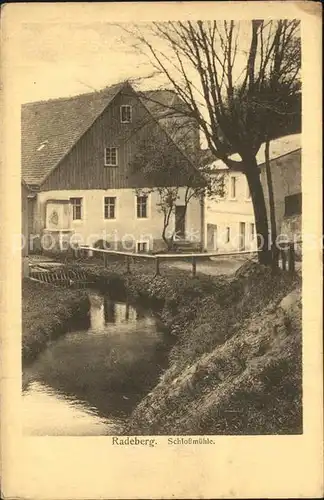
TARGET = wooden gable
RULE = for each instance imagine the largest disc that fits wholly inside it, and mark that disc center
(84, 167)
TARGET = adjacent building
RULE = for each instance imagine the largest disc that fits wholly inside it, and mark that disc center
(229, 219)
(285, 164)
(230, 224)
(76, 161)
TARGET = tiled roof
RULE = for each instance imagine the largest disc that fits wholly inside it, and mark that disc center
(278, 147)
(49, 129)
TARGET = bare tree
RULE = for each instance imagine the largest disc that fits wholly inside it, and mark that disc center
(175, 171)
(229, 75)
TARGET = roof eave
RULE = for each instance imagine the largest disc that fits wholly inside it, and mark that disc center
(281, 156)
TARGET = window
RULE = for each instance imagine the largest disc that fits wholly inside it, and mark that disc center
(252, 231)
(228, 235)
(110, 207)
(76, 208)
(142, 246)
(111, 157)
(233, 187)
(293, 204)
(241, 236)
(141, 207)
(125, 113)
(248, 192)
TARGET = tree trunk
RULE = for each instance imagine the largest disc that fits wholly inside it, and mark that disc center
(271, 205)
(260, 212)
(167, 241)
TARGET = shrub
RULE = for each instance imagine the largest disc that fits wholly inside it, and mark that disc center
(102, 244)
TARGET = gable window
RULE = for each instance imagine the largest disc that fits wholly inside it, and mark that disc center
(233, 187)
(141, 207)
(125, 113)
(293, 204)
(111, 157)
(76, 208)
(110, 207)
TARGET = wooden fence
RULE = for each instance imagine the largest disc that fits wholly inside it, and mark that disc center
(285, 256)
(61, 277)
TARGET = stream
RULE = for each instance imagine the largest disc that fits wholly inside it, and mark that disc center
(88, 381)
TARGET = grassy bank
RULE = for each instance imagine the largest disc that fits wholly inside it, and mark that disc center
(47, 312)
(235, 367)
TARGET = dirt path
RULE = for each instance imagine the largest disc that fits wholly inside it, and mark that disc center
(213, 267)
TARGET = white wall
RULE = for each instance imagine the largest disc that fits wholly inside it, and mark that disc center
(126, 227)
(228, 212)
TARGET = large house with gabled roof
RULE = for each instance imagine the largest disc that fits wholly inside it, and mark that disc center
(76, 157)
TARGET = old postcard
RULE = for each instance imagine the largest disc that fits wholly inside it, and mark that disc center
(161, 250)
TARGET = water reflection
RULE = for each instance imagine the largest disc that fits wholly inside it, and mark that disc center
(105, 311)
(96, 375)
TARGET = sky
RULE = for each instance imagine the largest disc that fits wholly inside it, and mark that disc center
(64, 49)
(60, 59)
(57, 59)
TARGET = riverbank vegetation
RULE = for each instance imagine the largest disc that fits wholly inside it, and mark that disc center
(235, 367)
(47, 312)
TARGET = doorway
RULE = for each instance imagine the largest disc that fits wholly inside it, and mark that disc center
(212, 237)
(180, 221)
(242, 237)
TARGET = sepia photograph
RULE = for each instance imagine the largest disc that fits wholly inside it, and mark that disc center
(161, 250)
(161, 241)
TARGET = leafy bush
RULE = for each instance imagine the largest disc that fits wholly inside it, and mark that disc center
(102, 244)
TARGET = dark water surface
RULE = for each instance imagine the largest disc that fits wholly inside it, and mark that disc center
(88, 381)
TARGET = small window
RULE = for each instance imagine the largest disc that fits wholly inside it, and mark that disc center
(76, 208)
(233, 188)
(125, 113)
(228, 234)
(142, 247)
(110, 207)
(141, 207)
(252, 231)
(111, 157)
(293, 204)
